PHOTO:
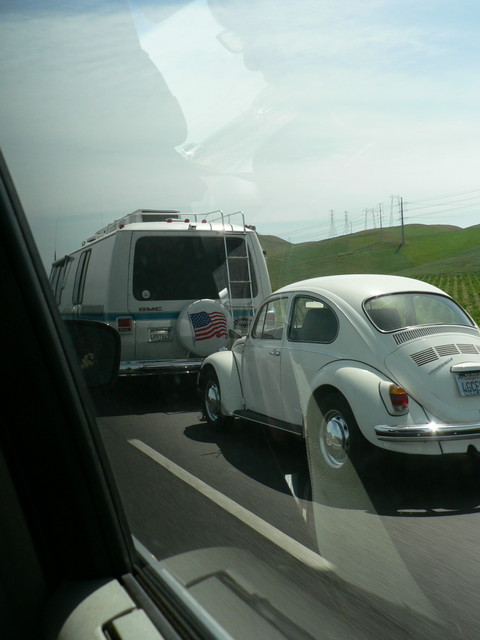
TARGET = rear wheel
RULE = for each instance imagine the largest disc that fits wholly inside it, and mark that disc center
(212, 401)
(340, 458)
(335, 439)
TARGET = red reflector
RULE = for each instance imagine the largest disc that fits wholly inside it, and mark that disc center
(204, 222)
(125, 324)
(121, 226)
(186, 220)
(169, 220)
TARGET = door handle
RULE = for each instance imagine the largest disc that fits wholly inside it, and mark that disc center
(275, 352)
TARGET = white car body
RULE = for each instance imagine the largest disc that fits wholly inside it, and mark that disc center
(272, 377)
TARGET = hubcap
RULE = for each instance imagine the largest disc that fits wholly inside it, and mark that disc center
(212, 401)
(335, 440)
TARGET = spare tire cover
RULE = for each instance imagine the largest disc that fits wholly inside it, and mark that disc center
(203, 327)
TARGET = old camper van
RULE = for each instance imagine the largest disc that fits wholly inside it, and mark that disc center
(172, 284)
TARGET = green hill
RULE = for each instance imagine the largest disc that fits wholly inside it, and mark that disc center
(428, 249)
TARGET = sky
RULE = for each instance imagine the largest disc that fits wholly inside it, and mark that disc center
(316, 119)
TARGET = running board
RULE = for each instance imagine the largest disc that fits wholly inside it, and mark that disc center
(269, 422)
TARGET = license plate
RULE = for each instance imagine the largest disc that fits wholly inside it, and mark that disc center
(468, 383)
(159, 335)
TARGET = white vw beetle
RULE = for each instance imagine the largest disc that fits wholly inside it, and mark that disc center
(353, 361)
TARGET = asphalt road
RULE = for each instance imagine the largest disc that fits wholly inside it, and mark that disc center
(395, 554)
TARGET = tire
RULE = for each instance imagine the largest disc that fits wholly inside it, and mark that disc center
(335, 439)
(211, 402)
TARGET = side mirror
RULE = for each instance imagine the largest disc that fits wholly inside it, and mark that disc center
(97, 346)
(233, 334)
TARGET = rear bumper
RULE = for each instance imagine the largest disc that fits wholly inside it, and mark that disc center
(153, 367)
(427, 432)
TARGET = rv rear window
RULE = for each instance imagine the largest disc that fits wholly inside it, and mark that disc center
(187, 268)
(80, 276)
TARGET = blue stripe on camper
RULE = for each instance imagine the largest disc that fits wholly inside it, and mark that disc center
(112, 317)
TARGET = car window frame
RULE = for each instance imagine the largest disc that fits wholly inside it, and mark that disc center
(291, 319)
(262, 317)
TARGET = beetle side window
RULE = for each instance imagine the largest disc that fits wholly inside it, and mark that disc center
(270, 321)
(80, 276)
(312, 321)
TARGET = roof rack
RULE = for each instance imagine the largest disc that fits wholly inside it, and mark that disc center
(170, 215)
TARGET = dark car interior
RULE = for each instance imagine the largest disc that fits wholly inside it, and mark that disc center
(61, 527)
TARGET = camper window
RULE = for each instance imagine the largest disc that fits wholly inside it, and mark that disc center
(196, 268)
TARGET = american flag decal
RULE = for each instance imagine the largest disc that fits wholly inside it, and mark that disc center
(209, 325)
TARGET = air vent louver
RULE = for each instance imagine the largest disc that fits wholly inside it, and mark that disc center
(434, 353)
(467, 348)
(411, 334)
(424, 357)
(447, 350)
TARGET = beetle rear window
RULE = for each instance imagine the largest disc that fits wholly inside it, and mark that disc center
(396, 311)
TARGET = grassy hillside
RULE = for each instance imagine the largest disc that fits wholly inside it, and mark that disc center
(427, 249)
(446, 256)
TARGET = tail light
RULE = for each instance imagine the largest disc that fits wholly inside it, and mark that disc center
(398, 398)
(125, 324)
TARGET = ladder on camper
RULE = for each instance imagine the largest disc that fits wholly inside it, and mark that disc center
(238, 264)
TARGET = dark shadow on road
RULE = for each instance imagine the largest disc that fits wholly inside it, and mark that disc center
(263, 455)
(396, 485)
(405, 486)
(421, 486)
(148, 394)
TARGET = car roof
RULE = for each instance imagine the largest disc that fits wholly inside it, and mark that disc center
(357, 287)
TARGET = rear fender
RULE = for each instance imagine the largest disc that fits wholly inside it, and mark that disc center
(360, 385)
(225, 367)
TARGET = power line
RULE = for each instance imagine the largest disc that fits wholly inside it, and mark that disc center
(451, 195)
(417, 209)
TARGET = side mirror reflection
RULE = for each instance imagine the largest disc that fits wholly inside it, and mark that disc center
(97, 346)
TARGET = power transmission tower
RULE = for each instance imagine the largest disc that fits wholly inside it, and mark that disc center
(346, 228)
(399, 200)
(332, 233)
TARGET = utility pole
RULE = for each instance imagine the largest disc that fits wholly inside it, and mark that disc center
(392, 197)
(402, 221)
(381, 223)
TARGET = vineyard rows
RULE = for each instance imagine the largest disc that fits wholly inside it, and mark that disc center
(465, 288)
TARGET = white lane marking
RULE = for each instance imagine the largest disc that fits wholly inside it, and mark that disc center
(288, 544)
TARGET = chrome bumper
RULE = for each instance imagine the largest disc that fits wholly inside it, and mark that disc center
(427, 432)
(152, 367)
